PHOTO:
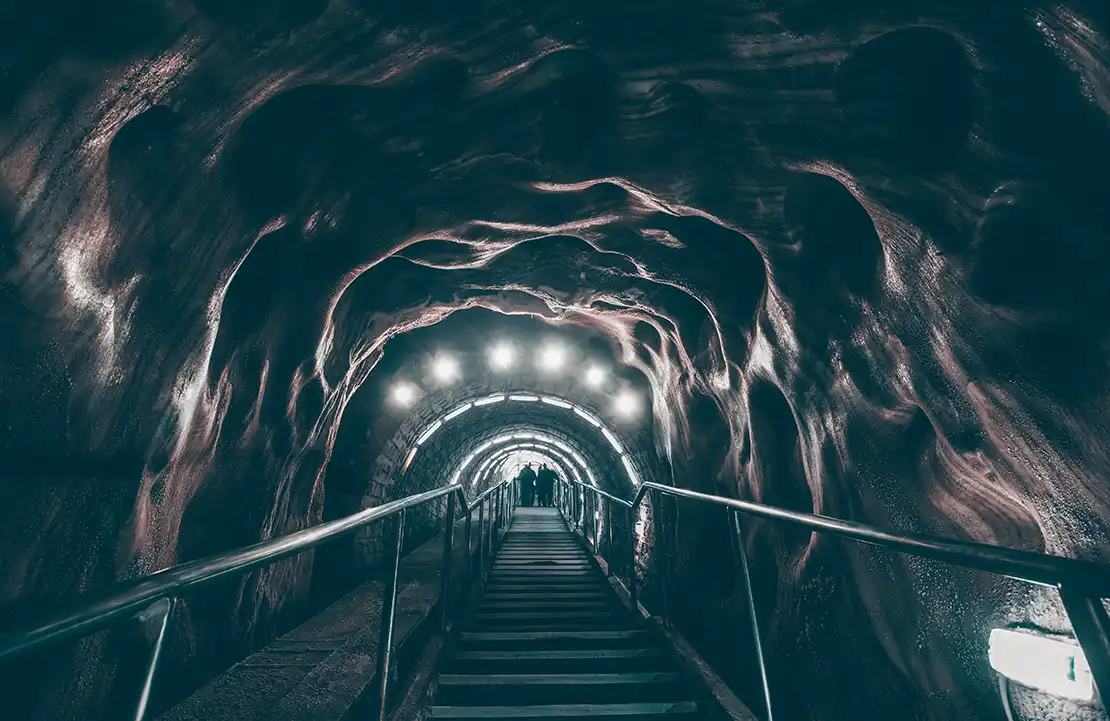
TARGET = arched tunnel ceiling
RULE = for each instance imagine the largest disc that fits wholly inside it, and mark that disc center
(853, 253)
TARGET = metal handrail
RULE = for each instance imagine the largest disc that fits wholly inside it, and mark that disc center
(1082, 584)
(151, 599)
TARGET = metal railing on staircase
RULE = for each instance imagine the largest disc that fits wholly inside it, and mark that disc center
(1081, 584)
(150, 600)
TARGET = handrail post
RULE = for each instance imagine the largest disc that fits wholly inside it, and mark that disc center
(481, 539)
(154, 618)
(389, 613)
(490, 530)
(609, 536)
(591, 500)
(664, 552)
(633, 582)
(469, 545)
(448, 553)
(1092, 630)
(593, 521)
(758, 643)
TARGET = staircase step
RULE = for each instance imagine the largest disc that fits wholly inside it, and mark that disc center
(531, 616)
(552, 580)
(558, 596)
(529, 561)
(549, 640)
(576, 639)
(547, 574)
(637, 711)
(535, 689)
(548, 637)
(568, 604)
(610, 660)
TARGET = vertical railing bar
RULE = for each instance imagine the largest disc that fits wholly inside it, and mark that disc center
(156, 615)
(662, 539)
(756, 637)
(469, 545)
(1092, 629)
(593, 521)
(633, 581)
(448, 553)
(389, 612)
(481, 539)
(609, 535)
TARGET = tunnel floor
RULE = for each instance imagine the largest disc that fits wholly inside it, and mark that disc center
(549, 639)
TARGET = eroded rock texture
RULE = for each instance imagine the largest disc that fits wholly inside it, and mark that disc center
(858, 251)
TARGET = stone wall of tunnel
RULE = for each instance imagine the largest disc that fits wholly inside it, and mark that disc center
(855, 249)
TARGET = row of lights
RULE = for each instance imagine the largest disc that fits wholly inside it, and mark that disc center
(551, 358)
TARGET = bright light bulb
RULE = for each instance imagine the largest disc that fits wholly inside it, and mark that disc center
(404, 394)
(445, 368)
(594, 377)
(626, 404)
(501, 356)
(553, 357)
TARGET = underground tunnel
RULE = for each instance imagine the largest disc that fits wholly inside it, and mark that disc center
(268, 266)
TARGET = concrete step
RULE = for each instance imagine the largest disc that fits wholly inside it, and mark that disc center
(562, 578)
(552, 572)
(605, 660)
(541, 558)
(517, 617)
(496, 585)
(551, 606)
(550, 688)
(573, 595)
(558, 622)
(632, 711)
(501, 640)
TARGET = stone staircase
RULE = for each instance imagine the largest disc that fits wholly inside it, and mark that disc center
(549, 639)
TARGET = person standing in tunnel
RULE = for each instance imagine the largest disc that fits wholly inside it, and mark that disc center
(527, 480)
(545, 485)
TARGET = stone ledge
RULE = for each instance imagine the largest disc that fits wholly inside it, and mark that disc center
(321, 669)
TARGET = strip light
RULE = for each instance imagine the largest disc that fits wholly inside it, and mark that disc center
(589, 418)
(1054, 665)
(428, 433)
(557, 402)
(612, 440)
(529, 398)
(457, 412)
(630, 470)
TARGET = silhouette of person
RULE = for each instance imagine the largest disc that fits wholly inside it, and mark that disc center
(527, 479)
(545, 485)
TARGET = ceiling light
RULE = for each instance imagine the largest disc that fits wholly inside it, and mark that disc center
(552, 357)
(1054, 665)
(445, 368)
(501, 356)
(594, 376)
(626, 404)
(403, 394)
